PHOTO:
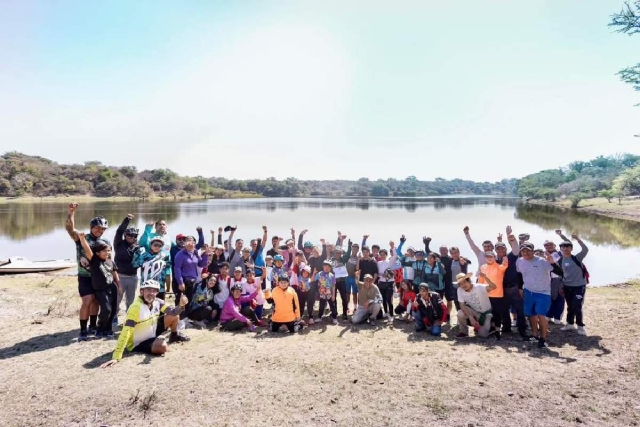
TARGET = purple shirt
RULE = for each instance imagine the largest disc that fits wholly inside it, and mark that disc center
(186, 265)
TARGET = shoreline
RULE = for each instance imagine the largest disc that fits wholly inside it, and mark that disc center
(629, 209)
(87, 199)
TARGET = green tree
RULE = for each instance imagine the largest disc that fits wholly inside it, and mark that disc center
(628, 182)
(627, 21)
(607, 194)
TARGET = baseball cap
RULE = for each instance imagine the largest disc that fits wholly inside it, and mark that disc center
(526, 245)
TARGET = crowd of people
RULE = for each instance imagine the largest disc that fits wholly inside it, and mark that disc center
(227, 283)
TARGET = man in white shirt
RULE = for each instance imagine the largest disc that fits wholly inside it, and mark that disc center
(535, 276)
(475, 306)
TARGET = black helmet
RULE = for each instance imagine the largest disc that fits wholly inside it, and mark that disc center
(131, 231)
(99, 221)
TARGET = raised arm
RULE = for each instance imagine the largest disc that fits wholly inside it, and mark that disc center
(144, 239)
(200, 243)
(490, 285)
(562, 236)
(584, 250)
(476, 250)
(364, 240)
(121, 228)
(213, 238)
(70, 224)
(399, 249)
(85, 245)
(426, 241)
(513, 242)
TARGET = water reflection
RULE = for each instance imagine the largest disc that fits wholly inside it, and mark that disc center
(597, 229)
(20, 221)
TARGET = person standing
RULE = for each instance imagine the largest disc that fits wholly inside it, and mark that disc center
(125, 245)
(557, 300)
(186, 269)
(574, 281)
(89, 307)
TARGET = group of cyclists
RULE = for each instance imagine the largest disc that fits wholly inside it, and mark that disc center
(238, 286)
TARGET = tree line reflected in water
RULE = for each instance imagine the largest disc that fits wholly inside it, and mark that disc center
(21, 221)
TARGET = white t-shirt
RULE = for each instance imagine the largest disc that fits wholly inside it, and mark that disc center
(249, 288)
(477, 298)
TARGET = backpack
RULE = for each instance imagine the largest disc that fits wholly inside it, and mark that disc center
(585, 272)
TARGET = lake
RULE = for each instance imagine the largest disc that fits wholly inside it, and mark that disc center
(36, 230)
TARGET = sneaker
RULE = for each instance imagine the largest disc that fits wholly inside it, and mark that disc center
(92, 332)
(542, 343)
(461, 335)
(101, 334)
(345, 317)
(84, 336)
(296, 328)
(582, 331)
(334, 321)
(390, 318)
(529, 338)
(178, 337)
(311, 322)
(557, 322)
(568, 327)
(372, 322)
(252, 328)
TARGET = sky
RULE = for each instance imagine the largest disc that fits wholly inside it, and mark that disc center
(328, 89)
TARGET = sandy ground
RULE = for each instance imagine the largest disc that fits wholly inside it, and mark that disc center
(328, 375)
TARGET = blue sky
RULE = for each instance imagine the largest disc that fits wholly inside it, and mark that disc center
(317, 90)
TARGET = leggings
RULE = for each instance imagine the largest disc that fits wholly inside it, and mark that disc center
(341, 287)
(574, 295)
(107, 298)
(332, 306)
(236, 325)
(311, 299)
(202, 313)
(275, 326)
(386, 289)
(302, 300)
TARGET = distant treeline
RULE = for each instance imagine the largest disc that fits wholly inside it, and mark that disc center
(610, 177)
(22, 175)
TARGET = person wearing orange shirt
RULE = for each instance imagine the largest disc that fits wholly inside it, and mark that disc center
(495, 272)
(286, 307)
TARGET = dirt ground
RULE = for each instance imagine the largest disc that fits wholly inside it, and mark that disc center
(628, 208)
(328, 375)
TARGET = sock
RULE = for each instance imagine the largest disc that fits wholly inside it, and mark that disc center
(93, 321)
(83, 325)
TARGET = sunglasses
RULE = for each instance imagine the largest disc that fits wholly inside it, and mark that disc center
(158, 245)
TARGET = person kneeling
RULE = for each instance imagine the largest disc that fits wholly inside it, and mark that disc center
(475, 306)
(147, 318)
(233, 316)
(203, 307)
(286, 307)
(369, 301)
(429, 311)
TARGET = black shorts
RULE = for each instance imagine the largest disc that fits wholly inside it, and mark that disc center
(450, 292)
(145, 346)
(84, 286)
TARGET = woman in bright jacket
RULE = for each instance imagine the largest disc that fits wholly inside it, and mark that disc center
(434, 274)
(233, 317)
(286, 307)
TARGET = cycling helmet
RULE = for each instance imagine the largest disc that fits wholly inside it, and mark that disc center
(338, 249)
(308, 245)
(99, 221)
(278, 258)
(327, 262)
(131, 231)
(150, 284)
(156, 239)
(236, 287)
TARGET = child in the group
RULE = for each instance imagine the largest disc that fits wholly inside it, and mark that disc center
(303, 288)
(407, 297)
(286, 309)
(327, 292)
(105, 282)
(251, 285)
(234, 317)
(224, 285)
(278, 271)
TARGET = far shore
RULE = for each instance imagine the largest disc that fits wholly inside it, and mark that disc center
(88, 199)
(628, 209)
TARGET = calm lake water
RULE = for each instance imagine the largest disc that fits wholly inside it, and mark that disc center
(36, 230)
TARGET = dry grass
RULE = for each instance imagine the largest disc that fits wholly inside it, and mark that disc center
(330, 375)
